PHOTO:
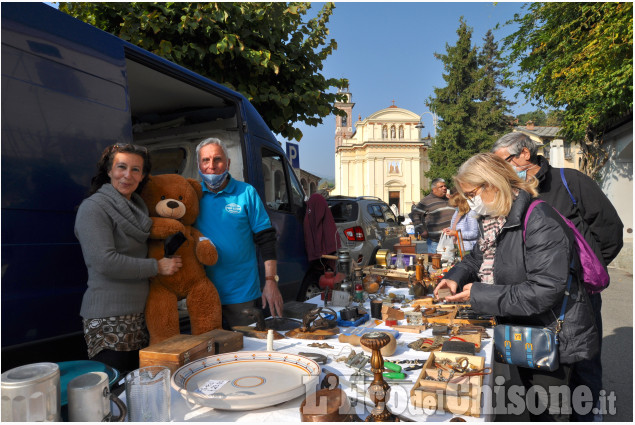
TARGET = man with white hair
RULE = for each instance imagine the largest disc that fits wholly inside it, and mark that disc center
(234, 218)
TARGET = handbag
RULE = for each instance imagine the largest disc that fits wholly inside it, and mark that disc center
(532, 347)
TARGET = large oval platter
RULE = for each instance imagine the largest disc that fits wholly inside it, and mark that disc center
(246, 380)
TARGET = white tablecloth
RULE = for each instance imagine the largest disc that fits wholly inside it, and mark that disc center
(289, 411)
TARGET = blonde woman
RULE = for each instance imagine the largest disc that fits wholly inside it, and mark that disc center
(523, 282)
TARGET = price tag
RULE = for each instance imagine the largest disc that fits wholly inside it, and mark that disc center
(340, 299)
(211, 386)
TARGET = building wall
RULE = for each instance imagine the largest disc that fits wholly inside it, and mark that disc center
(363, 161)
(616, 181)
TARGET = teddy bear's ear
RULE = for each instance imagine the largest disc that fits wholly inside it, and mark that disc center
(197, 188)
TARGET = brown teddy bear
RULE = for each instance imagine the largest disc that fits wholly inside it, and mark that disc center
(173, 204)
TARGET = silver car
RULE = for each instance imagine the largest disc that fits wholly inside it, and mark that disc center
(365, 224)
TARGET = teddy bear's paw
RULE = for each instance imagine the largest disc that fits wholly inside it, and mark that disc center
(206, 252)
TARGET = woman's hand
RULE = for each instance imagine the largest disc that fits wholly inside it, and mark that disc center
(449, 232)
(169, 266)
(461, 297)
(446, 283)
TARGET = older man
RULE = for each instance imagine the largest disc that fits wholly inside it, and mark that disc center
(233, 217)
(593, 215)
(433, 214)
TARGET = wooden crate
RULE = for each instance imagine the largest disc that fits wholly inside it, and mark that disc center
(468, 403)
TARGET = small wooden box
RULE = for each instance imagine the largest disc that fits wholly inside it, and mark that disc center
(405, 248)
(446, 319)
(451, 402)
(177, 351)
(226, 341)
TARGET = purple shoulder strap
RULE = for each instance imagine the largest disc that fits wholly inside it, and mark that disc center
(529, 210)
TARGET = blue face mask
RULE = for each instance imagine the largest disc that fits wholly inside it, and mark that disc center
(521, 174)
(214, 181)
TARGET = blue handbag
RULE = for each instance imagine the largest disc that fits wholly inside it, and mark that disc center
(530, 346)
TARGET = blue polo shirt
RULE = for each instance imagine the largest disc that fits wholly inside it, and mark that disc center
(230, 218)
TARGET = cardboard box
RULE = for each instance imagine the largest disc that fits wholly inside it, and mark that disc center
(461, 397)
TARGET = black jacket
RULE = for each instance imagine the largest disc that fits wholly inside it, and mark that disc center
(530, 279)
(598, 220)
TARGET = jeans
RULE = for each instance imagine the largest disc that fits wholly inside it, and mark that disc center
(432, 246)
(589, 372)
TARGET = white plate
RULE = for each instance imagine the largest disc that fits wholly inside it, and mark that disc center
(246, 380)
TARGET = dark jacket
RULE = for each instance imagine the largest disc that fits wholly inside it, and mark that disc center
(320, 232)
(598, 221)
(530, 279)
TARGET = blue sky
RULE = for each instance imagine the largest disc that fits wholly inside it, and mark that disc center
(386, 50)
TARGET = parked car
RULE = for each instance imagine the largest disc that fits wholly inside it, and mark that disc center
(365, 224)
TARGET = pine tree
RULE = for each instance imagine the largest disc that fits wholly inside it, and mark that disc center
(472, 109)
(493, 116)
(457, 137)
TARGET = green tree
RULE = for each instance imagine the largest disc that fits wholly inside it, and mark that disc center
(539, 117)
(494, 109)
(471, 106)
(268, 52)
(577, 57)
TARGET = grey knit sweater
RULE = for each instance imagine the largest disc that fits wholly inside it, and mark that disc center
(113, 231)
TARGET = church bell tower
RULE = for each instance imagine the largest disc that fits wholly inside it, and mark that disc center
(344, 124)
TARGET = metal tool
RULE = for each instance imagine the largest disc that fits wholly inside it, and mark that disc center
(357, 361)
(320, 358)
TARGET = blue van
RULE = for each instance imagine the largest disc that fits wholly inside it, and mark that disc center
(68, 91)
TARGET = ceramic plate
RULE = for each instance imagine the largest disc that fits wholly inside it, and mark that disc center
(246, 380)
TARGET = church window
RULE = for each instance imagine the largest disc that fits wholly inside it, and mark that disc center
(392, 132)
(384, 132)
(345, 121)
(401, 131)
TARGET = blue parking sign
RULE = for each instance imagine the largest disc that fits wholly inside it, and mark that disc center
(293, 154)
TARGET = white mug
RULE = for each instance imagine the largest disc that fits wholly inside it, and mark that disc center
(89, 399)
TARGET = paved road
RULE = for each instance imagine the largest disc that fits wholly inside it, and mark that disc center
(617, 344)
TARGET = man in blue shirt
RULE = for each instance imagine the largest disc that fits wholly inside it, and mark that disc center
(233, 217)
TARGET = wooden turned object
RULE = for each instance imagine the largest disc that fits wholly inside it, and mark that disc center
(379, 390)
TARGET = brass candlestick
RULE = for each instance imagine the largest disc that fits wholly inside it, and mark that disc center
(379, 390)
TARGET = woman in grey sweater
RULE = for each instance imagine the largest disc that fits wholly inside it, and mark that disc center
(112, 226)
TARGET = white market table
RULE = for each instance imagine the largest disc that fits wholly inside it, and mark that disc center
(289, 411)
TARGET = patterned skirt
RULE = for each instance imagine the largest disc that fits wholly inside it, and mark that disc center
(118, 333)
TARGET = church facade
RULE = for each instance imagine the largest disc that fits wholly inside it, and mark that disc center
(385, 156)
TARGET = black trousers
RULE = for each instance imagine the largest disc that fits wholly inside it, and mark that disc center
(547, 405)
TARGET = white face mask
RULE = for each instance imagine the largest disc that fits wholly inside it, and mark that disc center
(478, 206)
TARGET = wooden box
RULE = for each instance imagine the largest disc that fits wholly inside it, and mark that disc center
(177, 351)
(405, 248)
(226, 341)
(462, 399)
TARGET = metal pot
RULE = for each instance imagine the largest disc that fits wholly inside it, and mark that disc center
(31, 393)
(89, 399)
(328, 404)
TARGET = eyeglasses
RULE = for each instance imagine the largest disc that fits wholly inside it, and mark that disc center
(129, 147)
(472, 194)
(510, 157)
